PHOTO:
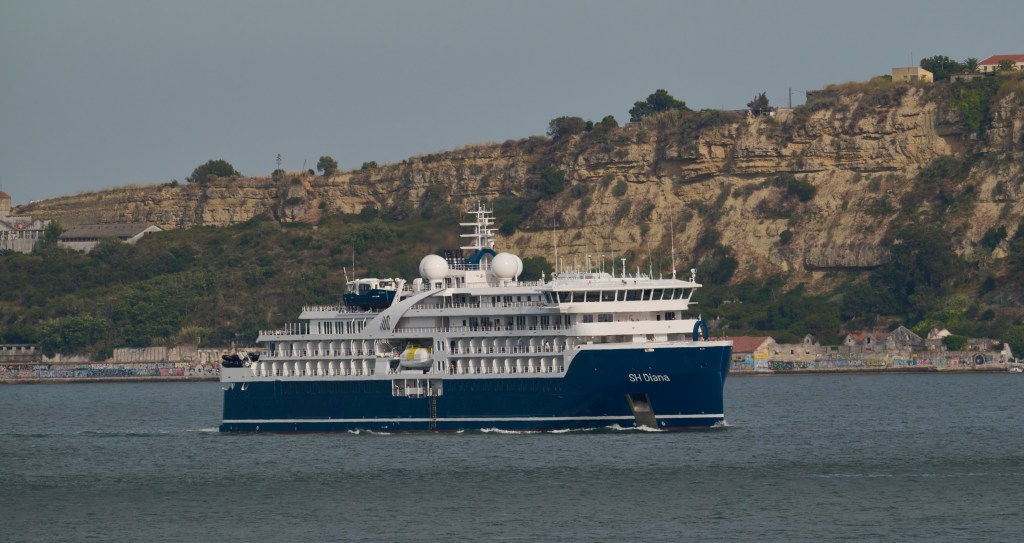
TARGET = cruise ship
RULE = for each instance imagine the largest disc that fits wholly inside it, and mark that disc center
(470, 346)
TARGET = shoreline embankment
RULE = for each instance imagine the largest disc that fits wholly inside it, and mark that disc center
(35, 374)
(987, 368)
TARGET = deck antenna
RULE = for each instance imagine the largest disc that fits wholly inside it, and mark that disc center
(650, 260)
(554, 240)
(672, 230)
(623, 259)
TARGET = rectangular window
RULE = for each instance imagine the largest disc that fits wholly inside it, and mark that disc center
(588, 318)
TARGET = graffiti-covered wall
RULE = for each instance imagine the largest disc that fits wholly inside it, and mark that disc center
(944, 360)
(155, 370)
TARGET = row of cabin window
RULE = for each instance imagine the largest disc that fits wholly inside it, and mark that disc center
(519, 321)
(636, 295)
(341, 327)
(608, 317)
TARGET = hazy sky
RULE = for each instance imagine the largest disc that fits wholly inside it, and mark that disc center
(96, 94)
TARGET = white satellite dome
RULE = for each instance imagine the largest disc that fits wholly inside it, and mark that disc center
(433, 268)
(506, 266)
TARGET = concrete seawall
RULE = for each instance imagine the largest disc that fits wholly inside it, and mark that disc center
(102, 372)
(108, 372)
(868, 366)
(26, 364)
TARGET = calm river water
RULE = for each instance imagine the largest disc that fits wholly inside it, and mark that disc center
(905, 457)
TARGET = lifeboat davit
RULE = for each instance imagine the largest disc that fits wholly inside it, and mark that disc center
(416, 358)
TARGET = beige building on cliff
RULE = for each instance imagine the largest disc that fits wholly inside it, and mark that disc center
(911, 74)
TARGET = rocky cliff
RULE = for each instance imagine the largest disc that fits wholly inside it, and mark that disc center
(861, 148)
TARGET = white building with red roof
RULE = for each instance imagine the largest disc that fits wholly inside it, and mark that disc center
(991, 64)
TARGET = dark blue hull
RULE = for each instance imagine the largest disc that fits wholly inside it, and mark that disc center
(681, 385)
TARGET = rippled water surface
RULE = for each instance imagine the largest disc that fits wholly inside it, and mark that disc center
(908, 457)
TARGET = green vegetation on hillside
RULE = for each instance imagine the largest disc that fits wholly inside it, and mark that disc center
(211, 170)
(659, 102)
(217, 286)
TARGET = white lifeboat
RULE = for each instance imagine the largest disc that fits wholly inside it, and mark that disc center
(416, 358)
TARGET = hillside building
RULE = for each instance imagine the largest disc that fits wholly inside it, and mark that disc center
(84, 237)
(911, 74)
(991, 64)
(750, 348)
(21, 234)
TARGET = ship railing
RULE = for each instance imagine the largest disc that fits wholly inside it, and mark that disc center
(481, 370)
(482, 305)
(337, 309)
(340, 353)
(464, 329)
(530, 349)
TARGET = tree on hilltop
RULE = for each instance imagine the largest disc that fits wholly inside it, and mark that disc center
(213, 168)
(561, 127)
(759, 105)
(658, 102)
(942, 67)
(327, 165)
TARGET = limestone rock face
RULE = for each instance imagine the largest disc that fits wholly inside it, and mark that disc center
(630, 187)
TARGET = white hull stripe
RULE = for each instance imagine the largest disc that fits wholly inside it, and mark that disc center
(461, 419)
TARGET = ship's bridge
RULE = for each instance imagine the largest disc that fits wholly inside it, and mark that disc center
(581, 292)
